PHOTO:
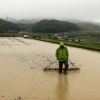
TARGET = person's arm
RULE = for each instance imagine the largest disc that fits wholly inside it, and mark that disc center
(57, 54)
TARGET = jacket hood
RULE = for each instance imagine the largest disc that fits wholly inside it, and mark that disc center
(61, 43)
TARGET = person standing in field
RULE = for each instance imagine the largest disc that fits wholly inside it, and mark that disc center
(62, 55)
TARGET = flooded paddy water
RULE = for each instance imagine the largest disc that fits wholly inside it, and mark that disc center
(22, 76)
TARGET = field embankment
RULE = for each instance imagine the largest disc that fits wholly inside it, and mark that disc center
(85, 45)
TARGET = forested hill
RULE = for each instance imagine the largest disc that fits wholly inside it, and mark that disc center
(52, 26)
(89, 26)
(6, 26)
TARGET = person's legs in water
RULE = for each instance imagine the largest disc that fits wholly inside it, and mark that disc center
(66, 66)
(60, 66)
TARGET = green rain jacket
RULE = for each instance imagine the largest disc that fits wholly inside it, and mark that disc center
(62, 54)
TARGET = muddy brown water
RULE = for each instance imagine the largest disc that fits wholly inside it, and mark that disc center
(22, 76)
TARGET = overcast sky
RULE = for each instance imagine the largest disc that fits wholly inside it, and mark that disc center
(57, 9)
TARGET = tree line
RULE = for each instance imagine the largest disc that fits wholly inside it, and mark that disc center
(51, 26)
(88, 26)
(46, 26)
(25, 27)
(6, 26)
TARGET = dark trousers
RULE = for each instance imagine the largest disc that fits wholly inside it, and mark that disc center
(65, 62)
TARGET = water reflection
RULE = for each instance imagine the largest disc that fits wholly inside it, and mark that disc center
(62, 88)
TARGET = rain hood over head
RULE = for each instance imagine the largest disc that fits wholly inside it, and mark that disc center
(61, 43)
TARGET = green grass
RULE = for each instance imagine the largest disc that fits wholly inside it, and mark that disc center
(91, 43)
(85, 45)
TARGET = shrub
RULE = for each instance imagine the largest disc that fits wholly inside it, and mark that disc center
(3, 35)
(34, 36)
(56, 38)
(39, 37)
(79, 40)
(13, 35)
(73, 39)
(66, 39)
(49, 37)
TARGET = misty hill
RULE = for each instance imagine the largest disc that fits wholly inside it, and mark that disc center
(26, 24)
(23, 21)
(25, 27)
(28, 21)
(6, 26)
(96, 23)
(86, 25)
(89, 26)
(13, 20)
(72, 20)
(51, 26)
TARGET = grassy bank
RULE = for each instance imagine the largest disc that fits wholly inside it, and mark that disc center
(85, 45)
(88, 44)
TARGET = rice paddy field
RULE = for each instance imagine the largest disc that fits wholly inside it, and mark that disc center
(22, 76)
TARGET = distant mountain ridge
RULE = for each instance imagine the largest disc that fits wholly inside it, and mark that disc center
(89, 26)
(34, 20)
(85, 25)
(23, 21)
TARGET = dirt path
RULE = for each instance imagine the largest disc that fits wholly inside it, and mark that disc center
(22, 77)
